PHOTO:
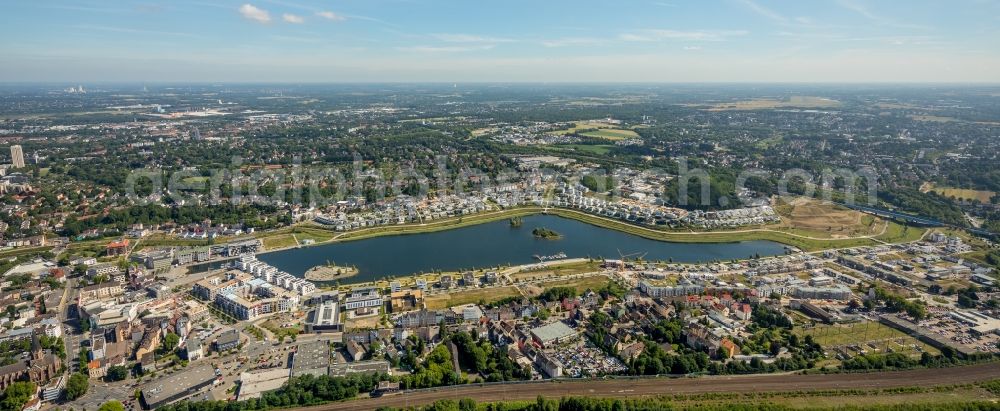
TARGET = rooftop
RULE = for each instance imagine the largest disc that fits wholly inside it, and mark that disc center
(311, 355)
(254, 383)
(554, 331)
(326, 314)
(162, 389)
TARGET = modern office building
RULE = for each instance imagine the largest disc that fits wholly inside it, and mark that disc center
(17, 156)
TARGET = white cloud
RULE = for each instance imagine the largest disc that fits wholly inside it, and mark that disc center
(697, 35)
(291, 18)
(764, 11)
(858, 8)
(133, 31)
(251, 12)
(444, 49)
(468, 38)
(329, 15)
(572, 41)
(863, 10)
(692, 48)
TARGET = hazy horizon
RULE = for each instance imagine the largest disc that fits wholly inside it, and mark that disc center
(422, 41)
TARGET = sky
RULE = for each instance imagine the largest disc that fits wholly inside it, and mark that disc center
(301, 41)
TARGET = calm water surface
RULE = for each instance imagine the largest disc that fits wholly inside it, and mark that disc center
(497, 243)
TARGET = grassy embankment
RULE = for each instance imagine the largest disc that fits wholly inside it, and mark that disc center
(16, 252)
(956, 396)
(895, 231)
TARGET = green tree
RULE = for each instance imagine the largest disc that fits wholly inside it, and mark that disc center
(17, 394)
(76, 386)
(170, 342)
(117, 373)
(113, 405)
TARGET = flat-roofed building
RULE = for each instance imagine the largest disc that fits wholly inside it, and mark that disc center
(552, 334)
(363, 297)
(175, 387)
(311, 358)
(255, 383)
(192, 255)
(158, 261)
(208, 288)
(324, 318)
(102, 290)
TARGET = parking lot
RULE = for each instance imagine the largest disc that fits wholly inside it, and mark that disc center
(956, 331)
(583, 358)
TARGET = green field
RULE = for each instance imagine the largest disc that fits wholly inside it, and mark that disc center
(279, 241)
(600, 150)
(898, 233)
(979, 396)
(859, 333)
(559, 270)
(593, 282)
(611, 134)
(598, 129)
(15, 252)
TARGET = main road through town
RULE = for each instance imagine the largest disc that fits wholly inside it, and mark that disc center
(613, 388)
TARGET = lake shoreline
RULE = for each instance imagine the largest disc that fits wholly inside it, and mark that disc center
(495, 244)
(753, 233)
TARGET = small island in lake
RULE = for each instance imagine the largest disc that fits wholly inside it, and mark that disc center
(516, 222)
(330, 272)
(542, 232)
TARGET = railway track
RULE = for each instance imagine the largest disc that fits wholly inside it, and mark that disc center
(618, 388)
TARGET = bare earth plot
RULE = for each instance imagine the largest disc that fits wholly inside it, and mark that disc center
(818, 219)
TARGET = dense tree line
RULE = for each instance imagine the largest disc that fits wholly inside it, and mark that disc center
(436, 370)
(598, 182)
(249, 215)
(927, 204)
(665, 404)
(896, 361)
(16, 395)
(721, 191)
(896, 303)
(557, 293)
(489, 360)
(299, 391)
(763, 316)
(654, 360)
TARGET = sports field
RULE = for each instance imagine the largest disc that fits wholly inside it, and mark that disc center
(598, 129)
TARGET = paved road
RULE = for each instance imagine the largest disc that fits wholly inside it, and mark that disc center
(656, 386)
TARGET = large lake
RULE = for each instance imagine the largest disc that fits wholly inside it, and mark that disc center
(497, 243)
